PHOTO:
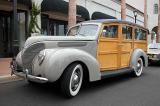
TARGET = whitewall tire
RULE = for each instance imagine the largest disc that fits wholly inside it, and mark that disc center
(72, 80)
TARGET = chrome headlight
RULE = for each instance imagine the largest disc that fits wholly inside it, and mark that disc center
(41, 57)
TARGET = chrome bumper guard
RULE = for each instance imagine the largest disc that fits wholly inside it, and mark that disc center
(25, 74)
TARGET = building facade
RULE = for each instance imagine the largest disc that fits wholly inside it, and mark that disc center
(110, 9)
(54, 19)
(9, 43)
(152, 11)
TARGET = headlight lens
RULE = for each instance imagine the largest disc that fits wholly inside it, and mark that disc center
(41, 57)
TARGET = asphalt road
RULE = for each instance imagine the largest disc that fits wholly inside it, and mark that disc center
(123, 90)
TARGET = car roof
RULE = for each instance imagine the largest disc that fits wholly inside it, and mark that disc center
(103, 21)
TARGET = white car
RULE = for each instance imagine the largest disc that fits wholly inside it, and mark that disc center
(154, 52)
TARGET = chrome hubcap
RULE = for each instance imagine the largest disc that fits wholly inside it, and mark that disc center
(139, 67)
(75, 79)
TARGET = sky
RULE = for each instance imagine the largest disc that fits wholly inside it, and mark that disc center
(139, 4)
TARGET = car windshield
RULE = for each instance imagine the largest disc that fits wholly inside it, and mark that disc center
(83, 30)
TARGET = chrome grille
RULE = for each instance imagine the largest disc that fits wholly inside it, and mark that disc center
(29, 54)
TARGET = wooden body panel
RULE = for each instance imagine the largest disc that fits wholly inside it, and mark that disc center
(141, 45)
(115, 53)
(126, 52)
(107, 50)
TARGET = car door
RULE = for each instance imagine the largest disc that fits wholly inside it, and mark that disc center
(127, 45)
(109, 45)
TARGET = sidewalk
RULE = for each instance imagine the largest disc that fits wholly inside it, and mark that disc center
(5, 71)
(5, 66)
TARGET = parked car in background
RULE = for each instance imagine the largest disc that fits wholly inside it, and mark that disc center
(154, 52)
(91, 51)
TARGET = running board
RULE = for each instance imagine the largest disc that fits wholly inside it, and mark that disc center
(107, 74)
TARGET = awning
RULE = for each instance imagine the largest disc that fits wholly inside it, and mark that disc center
(7, 5)
(62, 6)
(100, 15)
(24, 2)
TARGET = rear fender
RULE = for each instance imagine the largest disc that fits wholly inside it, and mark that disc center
(137, 53)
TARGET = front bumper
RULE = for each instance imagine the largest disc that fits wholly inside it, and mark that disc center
(25, 73)
(154, 57)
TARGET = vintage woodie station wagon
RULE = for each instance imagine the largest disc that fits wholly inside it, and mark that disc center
(91, 51)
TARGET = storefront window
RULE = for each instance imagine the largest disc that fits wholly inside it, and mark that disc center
(45, 24)
(21, 29)
(53, 27)
(5, 43)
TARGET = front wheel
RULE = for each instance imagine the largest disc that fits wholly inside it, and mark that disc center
(72, 80)
(138, 68)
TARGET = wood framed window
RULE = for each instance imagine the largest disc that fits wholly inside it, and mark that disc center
(127, 32)
(140, 34)
(110, 31)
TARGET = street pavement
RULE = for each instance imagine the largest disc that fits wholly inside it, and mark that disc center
(123, 90)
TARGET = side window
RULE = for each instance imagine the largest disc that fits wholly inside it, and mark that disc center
(140, 34)
(110, 31)
(127, 32)
(73, 31)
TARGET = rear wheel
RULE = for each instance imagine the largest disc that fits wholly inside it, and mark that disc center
(138, 68)
(72, 80)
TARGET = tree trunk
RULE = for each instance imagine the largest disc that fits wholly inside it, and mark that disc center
(72, 13)
(123, 9)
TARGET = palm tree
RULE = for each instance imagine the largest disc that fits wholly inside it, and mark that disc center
(158, 34)
(123, 9)
(71, 13)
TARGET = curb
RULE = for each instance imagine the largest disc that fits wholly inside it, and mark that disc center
(9, 78)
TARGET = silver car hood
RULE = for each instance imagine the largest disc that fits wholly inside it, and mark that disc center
(36, 39)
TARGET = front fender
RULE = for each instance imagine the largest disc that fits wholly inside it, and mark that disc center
(135, 55)
(57, 60)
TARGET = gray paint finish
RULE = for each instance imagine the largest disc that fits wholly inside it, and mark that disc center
(42, 38)
(57, 60)
(62, 51)
(135, 55)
